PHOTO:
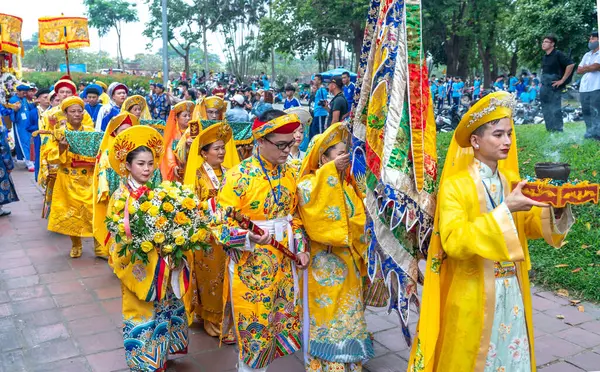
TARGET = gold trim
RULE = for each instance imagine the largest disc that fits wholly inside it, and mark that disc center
(489, 289)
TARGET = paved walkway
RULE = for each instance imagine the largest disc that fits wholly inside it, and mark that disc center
(60, 314)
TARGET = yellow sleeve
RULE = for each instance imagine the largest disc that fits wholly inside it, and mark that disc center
(227, 231)
(54, 156)
(491, 235)
(182, 149)
(322, 207)
(540, 223)
(103, 187)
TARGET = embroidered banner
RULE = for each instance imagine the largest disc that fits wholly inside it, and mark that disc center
(10, 33)
(63, 32)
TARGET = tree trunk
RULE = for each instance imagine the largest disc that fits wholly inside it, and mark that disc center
(119, 52)
(514, 62)
(186, 61)
(205, 44)
(357, 42)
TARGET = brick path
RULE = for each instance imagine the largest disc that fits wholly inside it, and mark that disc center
(60, 314)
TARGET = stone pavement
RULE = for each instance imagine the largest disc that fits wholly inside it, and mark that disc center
(60, 314)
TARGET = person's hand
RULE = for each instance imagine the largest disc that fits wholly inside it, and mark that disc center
(517, 202)
(189, 141)
(558, 83)
(63, 145)
(342, 162)
(303, 259)
(17, 105)
(259, 239)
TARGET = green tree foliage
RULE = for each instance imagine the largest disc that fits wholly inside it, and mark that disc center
(105, 15)
(302, 28)
(571, 21)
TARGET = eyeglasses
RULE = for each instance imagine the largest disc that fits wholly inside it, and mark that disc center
(281, 146)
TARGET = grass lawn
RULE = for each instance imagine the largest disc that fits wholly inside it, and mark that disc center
(582, 250)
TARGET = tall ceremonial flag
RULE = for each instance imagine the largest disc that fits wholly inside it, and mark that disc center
(394, 150)
(10, 42)
(63, 33)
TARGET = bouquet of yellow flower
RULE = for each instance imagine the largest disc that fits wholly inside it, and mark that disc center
(165, 218)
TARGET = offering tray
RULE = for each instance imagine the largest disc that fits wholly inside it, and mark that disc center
(560, 193)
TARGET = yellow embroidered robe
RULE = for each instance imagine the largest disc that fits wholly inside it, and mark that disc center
(333, 216)
(71, 212)
(458, 298)
(151, 328)
(209, 266)
(264, 298)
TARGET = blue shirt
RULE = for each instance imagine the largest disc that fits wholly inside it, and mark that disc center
(160, 107)
(349, 93)
(289, 103)
(511, 84)
(457, 89)
(93, 110)
(476, 87)
(319, 96)
(237, 115)
(499, 85)
(441, 90)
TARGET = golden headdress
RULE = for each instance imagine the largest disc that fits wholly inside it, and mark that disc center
(129, 140)
(137, 100)
(335, 134)
(70, 101)
(219, 131)
(171, 127)
(212, 102)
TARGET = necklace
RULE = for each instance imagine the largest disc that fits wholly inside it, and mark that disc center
(276, 197)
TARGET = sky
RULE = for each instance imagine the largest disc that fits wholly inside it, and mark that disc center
(132, 41)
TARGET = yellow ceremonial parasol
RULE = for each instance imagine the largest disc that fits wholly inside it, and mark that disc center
(10, 42)
(63, 33)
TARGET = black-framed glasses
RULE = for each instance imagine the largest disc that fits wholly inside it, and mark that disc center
(281, 146)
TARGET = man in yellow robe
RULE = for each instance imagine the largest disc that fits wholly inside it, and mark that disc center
(333, 215)
(476, 303)
(264, 290)
(71, 212)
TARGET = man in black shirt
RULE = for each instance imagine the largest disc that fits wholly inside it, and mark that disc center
(556, 69)
(338, 107)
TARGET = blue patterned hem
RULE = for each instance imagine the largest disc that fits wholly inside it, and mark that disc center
(348, 351)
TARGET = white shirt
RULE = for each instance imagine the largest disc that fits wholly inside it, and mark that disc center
(590, 80)
(105, 109)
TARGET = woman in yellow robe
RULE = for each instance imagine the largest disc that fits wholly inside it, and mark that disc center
(205, 173)
(138, 106)
(71, 212)
(152, 327)
(171, 167)
(333, 216)
(476, 303)
(106, 181)
(209, 108)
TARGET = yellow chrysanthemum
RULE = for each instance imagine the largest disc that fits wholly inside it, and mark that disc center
(162, 195)
(115, 218)
(161, 222)
(167, 249)
(121, 228)
(159, 238)
(151, 195)
(147, 246)
(168, 207)
(180, 240)
(131, 208)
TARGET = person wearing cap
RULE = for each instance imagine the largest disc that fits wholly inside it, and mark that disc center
(237, 111)
(333, 215)
(137, 105)
(264, 289)
(71, 211)
(91, 96)
(476, 312)
(297, 152)
(290, 100)
(204, 172)
(21, 121)
(118, 94)
(104, 98)
(155, 323)
(338, 107)
(589, 88)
